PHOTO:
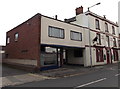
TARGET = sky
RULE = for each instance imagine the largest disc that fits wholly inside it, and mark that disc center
(14, 12)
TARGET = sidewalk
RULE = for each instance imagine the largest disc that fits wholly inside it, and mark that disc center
(71, 70)
(21, 79)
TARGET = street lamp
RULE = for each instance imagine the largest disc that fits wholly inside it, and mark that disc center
(94, 5)
(90, 34)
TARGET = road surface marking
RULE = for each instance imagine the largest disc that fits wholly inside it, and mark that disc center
(91, 83)
(117, 74)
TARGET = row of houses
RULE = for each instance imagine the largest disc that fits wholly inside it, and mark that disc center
(86, 39)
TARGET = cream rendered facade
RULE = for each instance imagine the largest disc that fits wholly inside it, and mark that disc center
(85, 24)
(45, 39)
(88, 19)
(65, 43)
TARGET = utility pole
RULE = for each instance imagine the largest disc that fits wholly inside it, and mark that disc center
(90, 34)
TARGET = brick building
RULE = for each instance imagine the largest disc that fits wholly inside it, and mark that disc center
(47, 42)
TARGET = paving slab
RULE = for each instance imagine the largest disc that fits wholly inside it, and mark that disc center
(21, 79)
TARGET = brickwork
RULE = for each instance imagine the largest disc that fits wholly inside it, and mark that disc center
(28, 44)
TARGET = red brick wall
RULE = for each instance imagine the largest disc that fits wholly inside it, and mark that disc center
(29, 40)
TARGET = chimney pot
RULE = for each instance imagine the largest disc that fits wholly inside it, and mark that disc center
(79, 10)
(104, 16)
(56, 17)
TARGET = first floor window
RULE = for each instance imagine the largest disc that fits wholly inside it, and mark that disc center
(114, 42)
(8, 40)
(76, 36)
(106, 27)
(16, 36)
(113, 30)
(97, 24)
(55, 32)
(108, 41)
(99, 39)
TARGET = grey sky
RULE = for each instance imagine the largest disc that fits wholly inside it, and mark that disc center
(14, 12)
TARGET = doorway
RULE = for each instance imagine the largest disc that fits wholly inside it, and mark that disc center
(108, 52)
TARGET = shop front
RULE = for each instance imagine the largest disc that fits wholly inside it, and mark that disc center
(56, 56)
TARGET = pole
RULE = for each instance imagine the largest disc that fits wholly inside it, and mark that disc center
(90, 43)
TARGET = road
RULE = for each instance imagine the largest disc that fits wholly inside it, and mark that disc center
(106, 77)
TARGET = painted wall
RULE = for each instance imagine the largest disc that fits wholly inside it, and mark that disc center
(90, 22)
(81, 20)
(45, 39)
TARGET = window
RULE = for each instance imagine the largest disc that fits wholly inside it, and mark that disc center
(8, 40)
(106, 27)
(55, 32)
(108, 41)
(97, 24)
(99, 55)
(78, 53)
(113, 30)
(114, 42)
(99, 39)
(16, 36)
(76, 36)
(49, 56)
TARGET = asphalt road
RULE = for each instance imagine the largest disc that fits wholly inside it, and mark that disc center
(106, 77)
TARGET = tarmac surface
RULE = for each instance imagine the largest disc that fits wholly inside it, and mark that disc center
(19, 77)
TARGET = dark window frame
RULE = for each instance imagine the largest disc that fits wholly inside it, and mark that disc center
(108, 39)
(75, 32)
(97, 23)
(106, 27)
(113, 30)
(114, 42)
(58, 29)
(99, 38)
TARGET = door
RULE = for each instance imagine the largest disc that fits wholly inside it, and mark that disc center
(115, 54)
(108, 56)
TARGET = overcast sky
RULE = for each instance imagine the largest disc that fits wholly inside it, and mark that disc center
(14, 12)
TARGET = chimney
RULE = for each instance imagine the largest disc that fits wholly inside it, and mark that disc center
(104, 16)
(79, 10)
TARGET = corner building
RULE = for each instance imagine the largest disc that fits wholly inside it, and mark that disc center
(86, 39)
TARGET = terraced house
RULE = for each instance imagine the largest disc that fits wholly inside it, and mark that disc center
(86, 39)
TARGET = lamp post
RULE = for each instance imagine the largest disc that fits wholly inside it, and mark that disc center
(90, 34)
(94, 5)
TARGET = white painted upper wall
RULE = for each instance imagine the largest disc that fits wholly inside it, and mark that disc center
(45, 39)
(89, 21)
(81, 20)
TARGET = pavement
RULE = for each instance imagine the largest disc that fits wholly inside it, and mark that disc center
(65, 71)
(72, 70)
(21, 79)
